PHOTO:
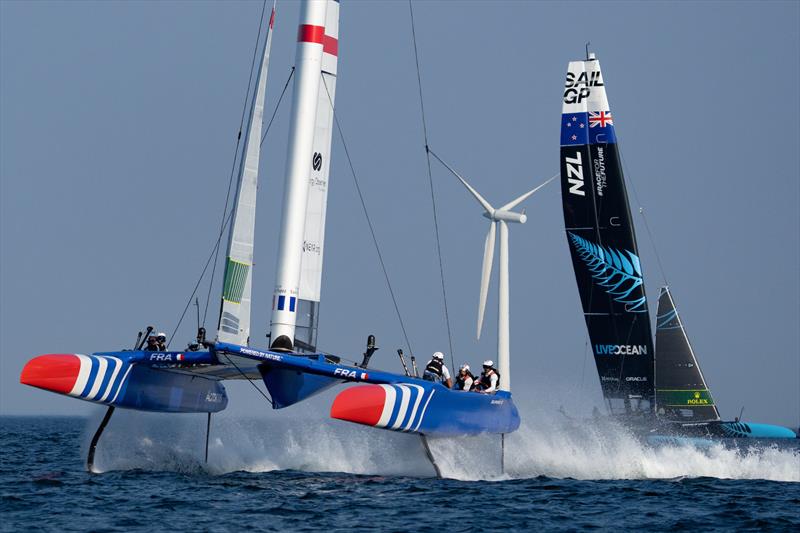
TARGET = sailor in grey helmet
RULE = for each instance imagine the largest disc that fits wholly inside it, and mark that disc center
(489, 379)
(436, 370)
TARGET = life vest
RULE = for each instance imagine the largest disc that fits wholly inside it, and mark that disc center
(460, 380)
(485, 381)
(435, 367)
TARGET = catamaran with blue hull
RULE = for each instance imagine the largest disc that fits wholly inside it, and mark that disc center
(293, 370)
(657, 389)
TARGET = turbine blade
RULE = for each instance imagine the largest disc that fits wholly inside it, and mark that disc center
(481, 200)
(514, 203)
(486, 273)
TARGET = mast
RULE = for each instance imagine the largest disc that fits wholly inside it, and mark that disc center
(234, 318)
(308, 64)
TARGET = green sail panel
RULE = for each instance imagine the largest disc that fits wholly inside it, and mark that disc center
(235, 279)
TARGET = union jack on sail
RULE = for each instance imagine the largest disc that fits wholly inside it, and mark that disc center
(601, 118)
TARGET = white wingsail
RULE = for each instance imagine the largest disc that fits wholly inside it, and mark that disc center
(234, 319)
(314, 234)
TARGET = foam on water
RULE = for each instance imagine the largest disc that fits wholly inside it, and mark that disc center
(546, 446)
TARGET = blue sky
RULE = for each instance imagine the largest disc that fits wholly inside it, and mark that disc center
(117, 130)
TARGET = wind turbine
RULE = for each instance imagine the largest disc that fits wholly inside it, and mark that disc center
(497, 217)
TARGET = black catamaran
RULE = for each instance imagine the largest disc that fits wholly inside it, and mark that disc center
(663, 392)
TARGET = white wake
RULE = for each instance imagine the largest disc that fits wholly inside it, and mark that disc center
(301, 440)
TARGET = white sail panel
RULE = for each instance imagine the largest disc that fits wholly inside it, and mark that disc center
(314, 234)
(584, 89)
(234, 320)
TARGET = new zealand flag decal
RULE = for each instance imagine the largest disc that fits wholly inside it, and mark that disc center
(587, 128)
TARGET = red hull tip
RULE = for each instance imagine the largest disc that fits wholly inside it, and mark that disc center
(53, 372)
(362, 404)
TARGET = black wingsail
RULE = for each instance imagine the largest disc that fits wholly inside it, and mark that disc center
(681, 390)
(602, 242)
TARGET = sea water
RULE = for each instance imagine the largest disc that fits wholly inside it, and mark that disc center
(310, 473)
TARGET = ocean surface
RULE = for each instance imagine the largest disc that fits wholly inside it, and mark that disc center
(312, 474)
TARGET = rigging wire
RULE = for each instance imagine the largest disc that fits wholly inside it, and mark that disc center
(245, 376)
(226, 221)
(369, 221)
(644, 218)
(235, 158)
(275, 112)
(430, 181)
(199, 280)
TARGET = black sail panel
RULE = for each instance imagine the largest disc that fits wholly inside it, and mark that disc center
(681, 390)
(602, 242)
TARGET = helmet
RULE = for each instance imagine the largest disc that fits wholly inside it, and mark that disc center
(162, 336)
(488, 363)
(464, 367)
(439, 356)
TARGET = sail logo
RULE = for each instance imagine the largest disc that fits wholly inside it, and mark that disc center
(600, 171)
(619, 272)
(697, 399)
(317, 161)
(575, 174)
(578, 87)
(620, 349)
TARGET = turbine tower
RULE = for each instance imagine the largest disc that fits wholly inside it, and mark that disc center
(498, 217)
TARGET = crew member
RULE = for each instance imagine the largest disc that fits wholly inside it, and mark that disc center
(162, 341)
(436, 370)
(465, 379)
(152, 344)
(489, 380)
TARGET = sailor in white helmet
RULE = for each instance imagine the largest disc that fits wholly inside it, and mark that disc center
(162, 341)
(436, 370)
(464, 379)
(489, 379)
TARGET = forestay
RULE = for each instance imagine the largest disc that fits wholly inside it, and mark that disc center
(314, 233)
(681, 389)
(602, 242)
(234, 319)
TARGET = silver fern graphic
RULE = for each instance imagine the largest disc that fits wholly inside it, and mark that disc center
(617, 271)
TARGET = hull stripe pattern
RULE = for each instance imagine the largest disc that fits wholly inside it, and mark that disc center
(100, 377)
(401, 410)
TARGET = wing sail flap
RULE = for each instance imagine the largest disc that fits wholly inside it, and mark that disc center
(316, 207)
